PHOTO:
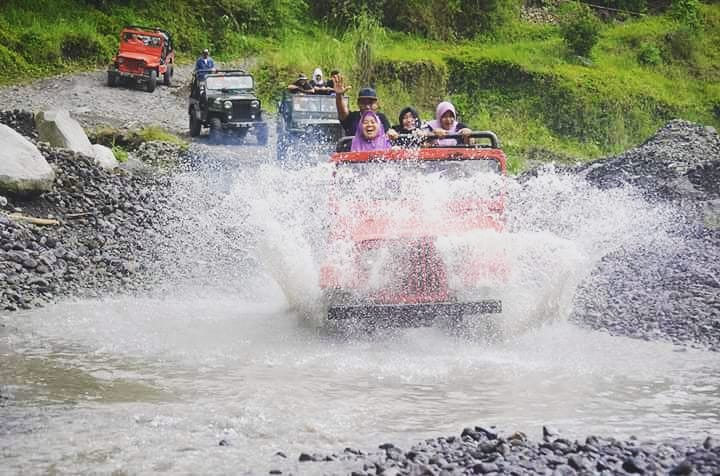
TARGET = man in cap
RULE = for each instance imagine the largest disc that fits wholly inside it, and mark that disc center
(204, 65)
(367, 101)
(301, 85)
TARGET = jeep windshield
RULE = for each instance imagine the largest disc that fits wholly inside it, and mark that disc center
(138, 39)
(314, 104)
(398, 178)
(228, 83)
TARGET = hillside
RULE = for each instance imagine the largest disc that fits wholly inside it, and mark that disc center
(507, 68)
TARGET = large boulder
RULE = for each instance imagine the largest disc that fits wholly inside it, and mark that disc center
(58, 129)
(23, 169)
(104, 157)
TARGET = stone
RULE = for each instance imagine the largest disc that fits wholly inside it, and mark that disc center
(23, 169)
(58, 129)
(104, 157)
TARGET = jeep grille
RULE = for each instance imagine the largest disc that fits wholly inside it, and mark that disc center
(242, 111)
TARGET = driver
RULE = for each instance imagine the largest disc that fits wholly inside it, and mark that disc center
(204, 65)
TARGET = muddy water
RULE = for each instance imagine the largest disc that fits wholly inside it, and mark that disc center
(226, 352)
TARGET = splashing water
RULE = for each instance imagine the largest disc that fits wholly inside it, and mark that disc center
(152, 384)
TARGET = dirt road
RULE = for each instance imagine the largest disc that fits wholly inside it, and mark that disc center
(93, 103)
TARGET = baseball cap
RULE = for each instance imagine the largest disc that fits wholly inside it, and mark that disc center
(367, 93)
(206, 50)
(302, 76)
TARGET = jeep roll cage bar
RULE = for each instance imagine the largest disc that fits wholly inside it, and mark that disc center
(149, 28)
(344, 143)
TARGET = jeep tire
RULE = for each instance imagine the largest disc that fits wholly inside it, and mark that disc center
(112, 79)
(215, 129)
(152, 82)
(195, 124)
(167, 77)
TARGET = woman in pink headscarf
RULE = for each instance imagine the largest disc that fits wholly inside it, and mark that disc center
(370, 134)
(446, 123)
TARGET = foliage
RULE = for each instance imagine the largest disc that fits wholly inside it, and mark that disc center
(580, 28)
(649, 54)
(688, 13)
(120, 153)
(155, 133)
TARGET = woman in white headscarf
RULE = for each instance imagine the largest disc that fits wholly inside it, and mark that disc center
(318, 82)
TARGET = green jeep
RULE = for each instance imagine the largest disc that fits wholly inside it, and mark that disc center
(226, 101)
(307, 125)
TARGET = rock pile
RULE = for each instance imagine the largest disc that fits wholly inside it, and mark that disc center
(651, 293)
(22, 121)
(483, 451)
(104, 239)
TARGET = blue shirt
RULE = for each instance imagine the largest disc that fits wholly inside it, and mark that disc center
(202, 65)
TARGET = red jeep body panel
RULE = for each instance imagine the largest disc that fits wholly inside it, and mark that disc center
(420, 276)
(142, 50)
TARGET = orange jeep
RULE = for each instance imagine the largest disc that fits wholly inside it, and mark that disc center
(144, 55)
(414, 235)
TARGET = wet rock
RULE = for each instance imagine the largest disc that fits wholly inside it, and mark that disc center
(224, 442)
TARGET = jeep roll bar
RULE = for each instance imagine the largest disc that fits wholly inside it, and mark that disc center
(344, 143)
(148, 28)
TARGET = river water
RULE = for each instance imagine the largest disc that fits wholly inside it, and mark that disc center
(224, 349)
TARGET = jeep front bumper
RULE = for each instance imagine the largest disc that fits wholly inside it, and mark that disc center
(414, 315)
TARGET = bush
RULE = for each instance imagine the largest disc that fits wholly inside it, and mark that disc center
(687, 12)
(580, 28)
(82, 46)
(649, 54)
(39, 49)
(680, 46)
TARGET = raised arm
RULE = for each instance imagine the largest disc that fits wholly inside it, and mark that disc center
(340, 90)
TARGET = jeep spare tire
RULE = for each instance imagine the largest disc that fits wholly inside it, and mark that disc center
(152, 82)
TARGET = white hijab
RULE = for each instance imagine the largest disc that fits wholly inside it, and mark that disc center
(319, 72)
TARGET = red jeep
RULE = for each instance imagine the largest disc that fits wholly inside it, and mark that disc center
(410, 235)
(144, 55)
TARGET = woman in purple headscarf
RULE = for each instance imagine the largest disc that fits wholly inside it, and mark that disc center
(370, 134)
(446, 123)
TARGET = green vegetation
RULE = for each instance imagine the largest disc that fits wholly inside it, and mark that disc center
(583, 86)
(120, 153)
(154, 133)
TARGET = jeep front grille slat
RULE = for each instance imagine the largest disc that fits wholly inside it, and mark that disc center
(241, 110)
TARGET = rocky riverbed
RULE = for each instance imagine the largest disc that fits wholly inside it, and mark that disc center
(107, 231)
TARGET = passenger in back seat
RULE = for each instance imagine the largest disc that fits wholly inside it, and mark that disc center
(445, 123)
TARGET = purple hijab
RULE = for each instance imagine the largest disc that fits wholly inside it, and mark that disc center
(360, 143)
(441, 109)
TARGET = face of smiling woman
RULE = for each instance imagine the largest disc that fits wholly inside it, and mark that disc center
(447, 119)
(408, 121)
(370, 127)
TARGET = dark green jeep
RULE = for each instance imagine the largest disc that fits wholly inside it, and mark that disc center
(226, 101)
(307, 125)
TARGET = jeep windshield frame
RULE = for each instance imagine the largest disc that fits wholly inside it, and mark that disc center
(225, 82)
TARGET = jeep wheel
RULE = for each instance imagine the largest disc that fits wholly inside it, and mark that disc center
(152, 82)
(262, 135)
(195, 125)
(167, 77)
(215, 129)
(112, 79)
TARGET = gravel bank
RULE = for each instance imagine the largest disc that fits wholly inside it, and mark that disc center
(482, 451)
(658, 293)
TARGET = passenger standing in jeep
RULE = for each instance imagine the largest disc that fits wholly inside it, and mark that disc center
(367, 101)
(204, 65)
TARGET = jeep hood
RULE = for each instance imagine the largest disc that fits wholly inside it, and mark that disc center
(411, 221)
(137, 56)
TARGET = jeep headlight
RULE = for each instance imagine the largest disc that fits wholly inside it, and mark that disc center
(218, 102)
(255, 104)
(227, 105)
